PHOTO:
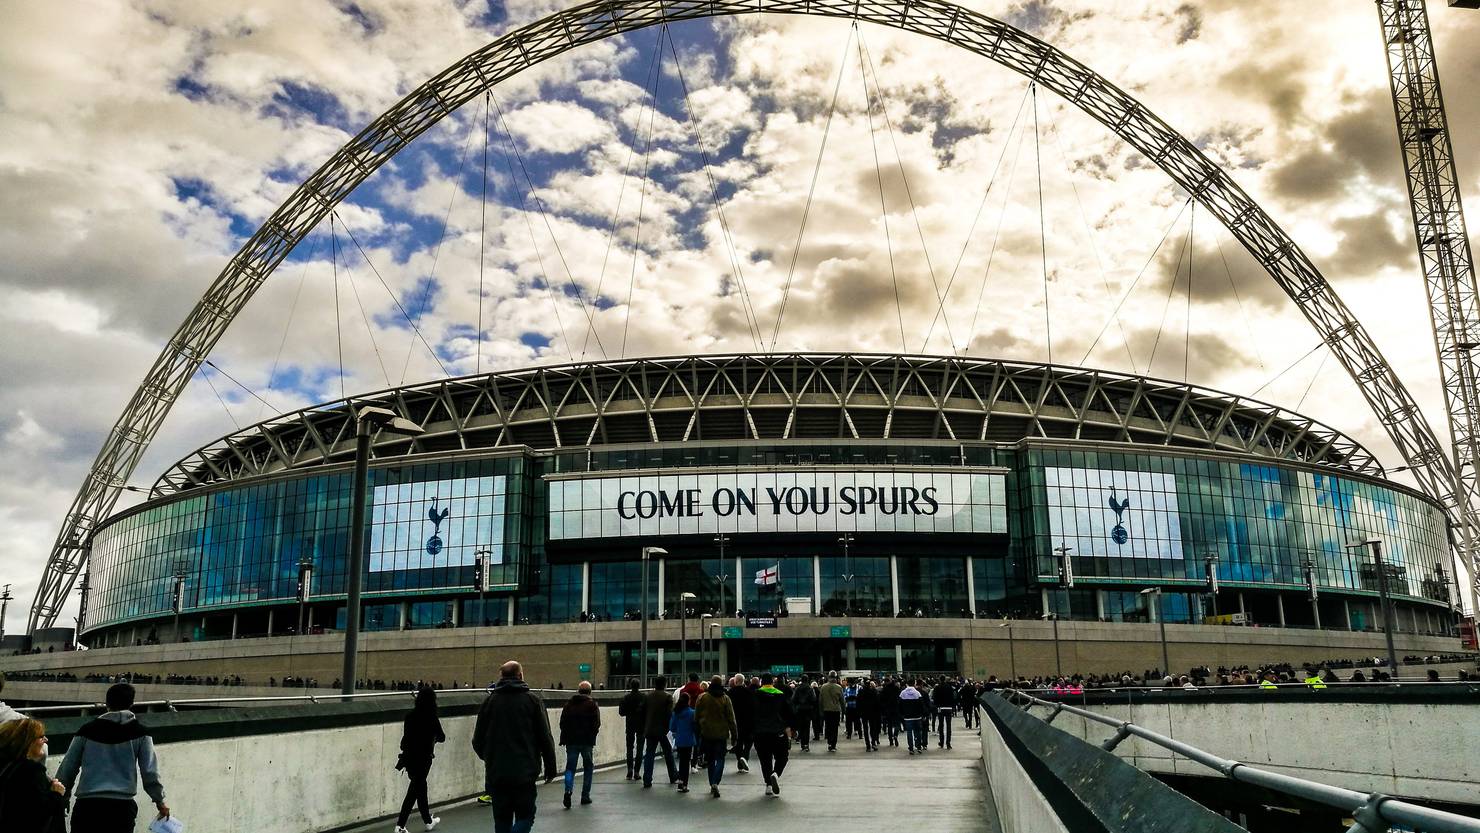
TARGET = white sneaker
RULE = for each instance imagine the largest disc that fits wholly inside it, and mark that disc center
(776, 783)
(432, 825)
(400, 829)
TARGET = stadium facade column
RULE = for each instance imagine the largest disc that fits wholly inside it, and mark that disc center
(1279, 604)
(1099, 605)
(1346, 607)
(585, 586)
(894, 582)
(816, 585)
(739, 585)
(233, 625)
(898, 658)
(852, 652)
(662, 586)
(510, 617)
(971, 585)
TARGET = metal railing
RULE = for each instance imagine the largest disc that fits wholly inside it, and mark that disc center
(1373, 812)
(325, 697)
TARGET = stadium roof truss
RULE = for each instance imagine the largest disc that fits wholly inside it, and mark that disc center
(779, 397)
(568, 29)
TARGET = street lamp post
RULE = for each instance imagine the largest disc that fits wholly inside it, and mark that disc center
(1066, 574)
(647, 553)
(683, 633)
(1312, 592)
(177, 596)
(714, 644)
(480, 582)
(1382, 592)
(704, 642)
(1211, 560)
(367, 420)
(305, 587)
(1161, 619)
(722, 576)
(1011, 650)
(5, 598)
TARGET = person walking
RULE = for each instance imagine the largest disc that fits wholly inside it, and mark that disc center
(715, 715)
(30, 800)
(803, 708)
(512, 738)
(656, 712)
(944, 698)
(421, 731)
(580, 722)
(970, 703)
(104, 764)
(685, 737)
(830, 700)
(743, 697)
(912, 712)
(633, 709)
(889, 709)
(773, 721)
(869, 714)
(851, 725)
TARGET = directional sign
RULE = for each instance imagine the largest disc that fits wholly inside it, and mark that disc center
(840, 631)
(731, 632)
(789, 670)
(585, 667)
(760, 621)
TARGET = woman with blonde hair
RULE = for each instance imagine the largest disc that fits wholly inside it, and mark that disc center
(29, 798)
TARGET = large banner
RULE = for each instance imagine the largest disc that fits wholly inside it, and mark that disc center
(439, 523)
(1125, 514)
(802, 501)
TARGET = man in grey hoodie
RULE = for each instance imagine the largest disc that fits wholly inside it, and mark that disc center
(111, 753)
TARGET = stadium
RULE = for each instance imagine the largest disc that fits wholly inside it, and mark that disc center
(810, 512)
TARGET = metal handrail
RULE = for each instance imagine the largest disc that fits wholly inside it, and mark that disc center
(1373, 812)
(206, 701)
(1473, 685)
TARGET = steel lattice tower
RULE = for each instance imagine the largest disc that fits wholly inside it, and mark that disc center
(1443, 249)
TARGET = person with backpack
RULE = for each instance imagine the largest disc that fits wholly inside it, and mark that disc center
(580, 722)
(104, 764)
(685, 737)
(803, 706)
(715, 715)
(421, 731)
(30, 800)
(634, 709)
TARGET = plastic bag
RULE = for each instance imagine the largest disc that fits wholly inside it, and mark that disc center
(167, 825)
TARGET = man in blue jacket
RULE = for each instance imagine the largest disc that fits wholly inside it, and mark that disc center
(110, 754)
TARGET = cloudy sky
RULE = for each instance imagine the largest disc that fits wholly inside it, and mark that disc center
(573, 214)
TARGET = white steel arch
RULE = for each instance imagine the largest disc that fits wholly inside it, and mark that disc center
(522, 48)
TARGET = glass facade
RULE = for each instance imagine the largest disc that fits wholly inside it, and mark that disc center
(1131, 521)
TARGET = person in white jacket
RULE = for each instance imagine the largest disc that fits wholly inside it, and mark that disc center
(6, 712)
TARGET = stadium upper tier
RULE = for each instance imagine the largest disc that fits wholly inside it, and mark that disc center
(791, 396)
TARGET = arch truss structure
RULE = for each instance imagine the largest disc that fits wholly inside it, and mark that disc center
(549, 37)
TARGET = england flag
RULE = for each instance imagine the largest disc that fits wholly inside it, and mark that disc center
(768, 576)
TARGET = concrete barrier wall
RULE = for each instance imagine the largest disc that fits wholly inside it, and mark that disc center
(1412, 750)
(321, 779)
(1021, 808)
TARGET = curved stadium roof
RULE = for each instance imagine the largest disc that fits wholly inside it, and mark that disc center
(784, 396)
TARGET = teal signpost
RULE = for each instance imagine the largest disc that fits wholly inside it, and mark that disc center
(731, 632)
(788, 670)
(585, 667)
(841, 631)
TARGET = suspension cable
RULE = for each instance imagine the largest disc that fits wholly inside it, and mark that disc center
(1319, 367)
(426, 293)
(981, 291)
(365, 316)
(868, 109)
(482, 233)
(1291, 367)
(529, 224)
(397, 301)
(1171, 290)
(1089, 233)
(747, 303)
(550, 229)
(647, 150)
(1248, 324)
(288, 325)
(971, 230)
(811, 189)
(1132, 288)
(908, 193)
(221, 399)
(238, 383)
(1042, 222)
(338, 327)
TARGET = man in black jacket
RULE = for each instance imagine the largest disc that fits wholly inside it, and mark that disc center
(803, 706)
(512, 737)
(634, 708)
(772, 728)
(743, 698)
(657, 711)
(944, 698)
(580, 721)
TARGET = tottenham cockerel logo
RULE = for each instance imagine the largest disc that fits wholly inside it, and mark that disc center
(434, 543)
(1118, 533)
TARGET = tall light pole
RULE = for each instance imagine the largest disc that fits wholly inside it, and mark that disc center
(5, 598)
(367, 420)
(1382, 592)
(710, 628)
(480, 581)
(177, 595)
(683, 633)
(1066, 575)
(1011, 650)
(846, 539)
(305, 586)
(704, 623)
(1211, 566)
(647, 553)
(722, 576)
(1312, 592)
(1161, 619)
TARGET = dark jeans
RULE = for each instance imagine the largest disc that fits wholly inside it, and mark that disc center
(803, 727)
(416, 793)
(513, 805)
(871, 728)
(891, 727)
(650, 748)
(685, 763)
(914, 732)
(817, 725)
(574, 755)
(714, 755)
(852, 725)
(968, 716)
(773, 750)
(104, 815)
(830, 728)
(944, 719)
(743, 744)
(634, 751)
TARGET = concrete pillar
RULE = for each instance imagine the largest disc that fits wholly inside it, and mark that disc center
(1315, 610)
(971, 585)
(456, 613)
(894, 581)
(509, 617)
(269, 621)
(586, 586)
(1346, 608)
(660, 662)
(405, 616)
(898, 658)
(1043, 597)
(1241, 608)
(661, 585)
(724, 657)
(1099, 605)
(739, 583)
(1279, 603)
(233, 625)
(816, 584)
(852, 652)
(1413, 612)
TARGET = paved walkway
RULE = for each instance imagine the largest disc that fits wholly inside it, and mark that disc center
(942, 791)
